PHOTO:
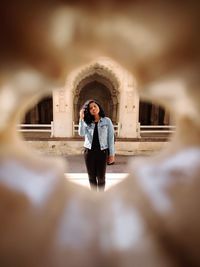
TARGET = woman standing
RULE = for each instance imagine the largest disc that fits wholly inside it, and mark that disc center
(99, 142)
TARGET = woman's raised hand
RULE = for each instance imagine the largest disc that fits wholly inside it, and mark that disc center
(81, 114)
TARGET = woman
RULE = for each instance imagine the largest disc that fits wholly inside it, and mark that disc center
(99, 142)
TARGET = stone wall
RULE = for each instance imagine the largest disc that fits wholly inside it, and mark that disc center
(62, 148)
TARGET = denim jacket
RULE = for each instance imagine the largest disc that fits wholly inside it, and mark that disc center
(105, 132)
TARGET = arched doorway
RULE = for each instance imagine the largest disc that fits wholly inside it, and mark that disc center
(105, 80)
(100, 88)
(99, 92)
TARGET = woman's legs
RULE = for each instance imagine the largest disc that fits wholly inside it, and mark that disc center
(96, 162)
(90, 163)
(101, 162)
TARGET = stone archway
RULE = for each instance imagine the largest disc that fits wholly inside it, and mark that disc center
(105, 81)
(97, 82)
(99, 92)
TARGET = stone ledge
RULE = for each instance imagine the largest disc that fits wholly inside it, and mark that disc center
(60, 147)
(142, 139)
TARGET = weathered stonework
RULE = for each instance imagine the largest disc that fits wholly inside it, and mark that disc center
(124, 100)
(62, 148)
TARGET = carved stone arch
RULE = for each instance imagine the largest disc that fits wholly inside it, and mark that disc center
(99, 77)
(100, 69)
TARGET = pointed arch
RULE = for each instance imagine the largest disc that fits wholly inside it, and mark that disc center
(100, 82)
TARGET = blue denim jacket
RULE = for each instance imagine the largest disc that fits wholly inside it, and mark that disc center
(105, 131)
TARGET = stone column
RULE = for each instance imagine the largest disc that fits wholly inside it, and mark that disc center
(155, 115)
(129, 110)
(167, 120)
(62, 112)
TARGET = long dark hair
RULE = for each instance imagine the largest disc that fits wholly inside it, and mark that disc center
(88, 117)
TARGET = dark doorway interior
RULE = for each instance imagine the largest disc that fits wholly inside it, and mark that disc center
(150, 114)
(42, 113)
(100, 92)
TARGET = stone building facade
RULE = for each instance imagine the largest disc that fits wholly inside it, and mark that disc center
(114, 88)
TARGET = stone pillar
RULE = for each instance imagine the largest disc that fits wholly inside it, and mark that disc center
(129, 109)
(62, 112)
(155, 114)
(167, 120)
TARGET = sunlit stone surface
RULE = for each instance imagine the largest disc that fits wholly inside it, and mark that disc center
(152, 217)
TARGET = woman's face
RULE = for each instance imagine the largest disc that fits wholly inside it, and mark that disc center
(94, 109)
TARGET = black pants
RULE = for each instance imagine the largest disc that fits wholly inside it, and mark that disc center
(95, 162)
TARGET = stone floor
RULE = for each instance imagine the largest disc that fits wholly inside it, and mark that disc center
(76, 164)
(114, 173)
(82, 179)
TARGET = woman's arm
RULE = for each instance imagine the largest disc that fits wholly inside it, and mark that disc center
(111, 142)
(81, 126)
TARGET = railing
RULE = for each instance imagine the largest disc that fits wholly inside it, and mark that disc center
(116, 129)
(143, 129)
(157, 129)
(42, 128)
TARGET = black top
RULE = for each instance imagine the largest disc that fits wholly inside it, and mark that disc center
(95, 140)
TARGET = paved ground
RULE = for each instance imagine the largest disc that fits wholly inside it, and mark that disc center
(114, 173)
(76, 164)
